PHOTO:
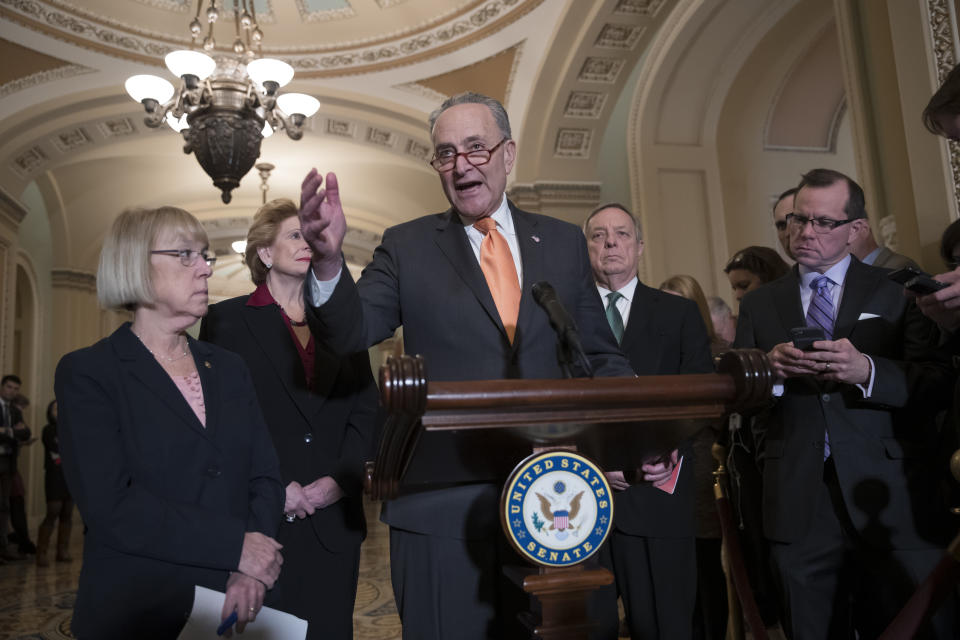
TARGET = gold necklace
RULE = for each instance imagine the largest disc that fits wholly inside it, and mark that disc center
(157, 355)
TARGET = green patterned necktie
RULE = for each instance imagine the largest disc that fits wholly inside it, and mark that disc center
(614, 317)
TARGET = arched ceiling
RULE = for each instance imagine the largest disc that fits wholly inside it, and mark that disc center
(378, 67)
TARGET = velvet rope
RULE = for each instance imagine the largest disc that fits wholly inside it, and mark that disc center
(735, 557)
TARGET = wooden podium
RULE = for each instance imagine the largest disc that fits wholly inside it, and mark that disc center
(478, 431)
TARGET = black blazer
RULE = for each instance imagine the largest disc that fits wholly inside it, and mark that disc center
(165, 502)
(328, 431)
(425, 276)
(881, 445)
(665, 335)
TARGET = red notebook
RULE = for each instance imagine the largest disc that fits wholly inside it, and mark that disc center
(671, 485)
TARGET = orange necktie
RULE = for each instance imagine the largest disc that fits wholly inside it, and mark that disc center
(498, 268)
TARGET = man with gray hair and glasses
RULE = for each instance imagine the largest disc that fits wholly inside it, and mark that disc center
(459, 282)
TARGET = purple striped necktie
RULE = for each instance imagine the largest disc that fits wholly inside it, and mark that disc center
(820, 311)
(820, 314)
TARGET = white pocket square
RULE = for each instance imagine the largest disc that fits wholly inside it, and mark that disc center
(867, 316)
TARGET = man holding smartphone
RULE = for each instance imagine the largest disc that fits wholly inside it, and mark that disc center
(850, 537)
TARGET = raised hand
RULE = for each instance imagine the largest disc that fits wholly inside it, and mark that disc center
(322, 222)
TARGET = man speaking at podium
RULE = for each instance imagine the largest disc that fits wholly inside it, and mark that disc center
(460, 284)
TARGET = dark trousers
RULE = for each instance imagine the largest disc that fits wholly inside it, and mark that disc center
(833, 583)
(6, 487)
(316, 585)
(711, 610)
(656, 578)
(454, 587)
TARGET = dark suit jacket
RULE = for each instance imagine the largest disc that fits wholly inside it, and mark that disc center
(165, 502)
(328, 431)
(19, 435)
(887, 259)
(425, 276)
(881, 445)
(665, 335)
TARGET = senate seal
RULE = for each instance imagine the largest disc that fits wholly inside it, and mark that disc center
(556, 508)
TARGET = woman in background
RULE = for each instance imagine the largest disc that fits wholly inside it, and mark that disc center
(754, 266)
(321, 412)
(164, 447)
(710, 613)
(59, 502)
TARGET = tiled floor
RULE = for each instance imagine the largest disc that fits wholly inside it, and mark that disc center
(36, 603)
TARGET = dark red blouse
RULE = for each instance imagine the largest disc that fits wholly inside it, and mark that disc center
(262, 298)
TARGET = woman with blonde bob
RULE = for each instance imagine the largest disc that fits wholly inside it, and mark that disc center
(163, 445)
(321, 411)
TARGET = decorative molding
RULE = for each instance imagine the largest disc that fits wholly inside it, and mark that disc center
(43, 77)
(455, 30)
(117, 128)
(597, 69)
(619, 36)
(74, 279)
(381, 137)
(386, 4)
(888, 232)
(67, 141)
(647, 8)
(177, 6)
(533, 196)
(942, 28)
(341, 128)
(585, 104)
(573, 143)
(417, 149)
(12, 210)
(65, 25)
(418, 89)
(324, 15)
(28, 161)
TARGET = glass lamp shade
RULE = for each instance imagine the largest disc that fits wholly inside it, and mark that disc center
(175, 124)
(264, 69)
(267, 130)
(182, 62)
(144, 86)
(239, 246)
(300, 103)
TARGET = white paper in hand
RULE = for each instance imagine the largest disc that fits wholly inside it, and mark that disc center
(269, 625)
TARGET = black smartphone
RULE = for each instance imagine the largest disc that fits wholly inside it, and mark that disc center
(916, 281)
(804, 337)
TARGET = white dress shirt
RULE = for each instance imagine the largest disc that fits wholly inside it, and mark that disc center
(625, 301)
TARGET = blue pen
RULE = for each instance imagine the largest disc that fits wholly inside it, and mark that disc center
(226, 624)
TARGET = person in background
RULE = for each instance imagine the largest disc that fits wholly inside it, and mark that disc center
(651, 549)
(164, 446)
(849, 491)
(710, 616)
(13, 432)
(781, 208)
(724, 322)
(321, 411)
(18, 495)
(687, 287)
(751, 267)
(59, 502)
(748, 270)
(864, 246)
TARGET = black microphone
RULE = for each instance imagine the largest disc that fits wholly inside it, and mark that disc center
(562, 322)
(546, 296)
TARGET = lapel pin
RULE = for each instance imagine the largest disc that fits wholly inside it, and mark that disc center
(535, 238)
(207, 364)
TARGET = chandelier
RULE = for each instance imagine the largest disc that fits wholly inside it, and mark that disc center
(225, 105)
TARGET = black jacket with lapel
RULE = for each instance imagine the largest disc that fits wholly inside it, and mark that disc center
(665, 335)
(328, 430)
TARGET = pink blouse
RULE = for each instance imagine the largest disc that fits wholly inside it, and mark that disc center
(193, 393)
